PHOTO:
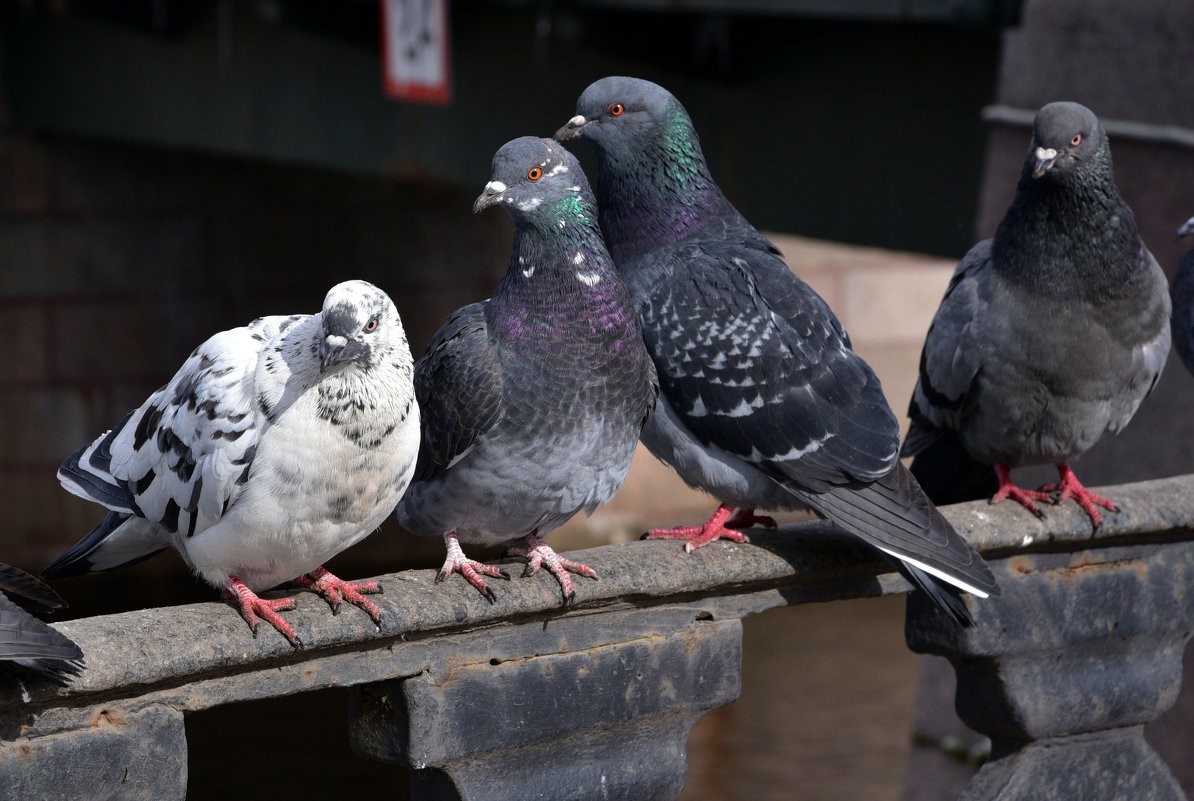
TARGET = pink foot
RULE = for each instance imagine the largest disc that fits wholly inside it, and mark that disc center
(457, 562)
(252, 607)
(1070, 487)
(336, 590)
(1025, 497)
(538, 553)
(717, 527)
(746, 518)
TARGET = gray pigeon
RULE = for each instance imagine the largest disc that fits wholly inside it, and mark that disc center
(763, 403)
(1183, 303)
(26, 641)
(1049, 335)
(274, 447)
(534, 399)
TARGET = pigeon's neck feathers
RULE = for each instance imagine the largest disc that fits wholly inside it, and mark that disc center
(1070, 236)
(561, 278)
(659, 190)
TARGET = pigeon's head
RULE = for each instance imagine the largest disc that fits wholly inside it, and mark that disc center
(1066, 139)
(532, 177)
(360, 325)
(617, 112)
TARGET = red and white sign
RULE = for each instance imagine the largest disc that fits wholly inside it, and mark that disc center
(415, 50)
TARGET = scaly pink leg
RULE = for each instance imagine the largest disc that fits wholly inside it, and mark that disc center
(717, 527)
(336, 590)
(538, 553)
(1025, 497)
(251, 606)
(457, 562)
(1070, 487)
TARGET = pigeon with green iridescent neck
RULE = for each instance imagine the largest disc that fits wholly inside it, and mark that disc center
(532, 400)
(763, 402)
(1049, 335)
(274, 447)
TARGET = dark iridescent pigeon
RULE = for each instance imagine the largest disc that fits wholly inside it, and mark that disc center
(274, 447)
(534, 399)
(1183, 303)
(26, 641)
(763, 403)
(1049, 336)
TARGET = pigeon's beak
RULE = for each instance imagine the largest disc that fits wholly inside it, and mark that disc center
(493, 193)
(571, 129)
(1046, 157)
(1187, 228)
(336, 349)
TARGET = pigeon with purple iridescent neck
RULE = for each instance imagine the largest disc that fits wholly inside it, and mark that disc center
(1050, 334)
(532, 400)
(763, 402)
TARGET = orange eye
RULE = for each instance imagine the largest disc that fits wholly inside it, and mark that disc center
(615, 109)
(1077, 140)
(535, 173)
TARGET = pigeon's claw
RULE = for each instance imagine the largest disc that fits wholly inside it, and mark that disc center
(1025, 497)
(254, 609)
(717, 527)
(1068, 486)
(471, 569)
(746, 518)
(336, 590)
(539, 554)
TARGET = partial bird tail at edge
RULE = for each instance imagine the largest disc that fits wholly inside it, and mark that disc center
(118, 541)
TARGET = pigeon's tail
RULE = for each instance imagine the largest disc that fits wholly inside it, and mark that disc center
(948, 474)
(119, 540)
(894, 515)
(28, 591)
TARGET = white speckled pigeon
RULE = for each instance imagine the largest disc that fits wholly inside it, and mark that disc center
(274, 447)
(26, 641)
(1183, 303)
(763, 402)
(534, 399)
(1049, 336)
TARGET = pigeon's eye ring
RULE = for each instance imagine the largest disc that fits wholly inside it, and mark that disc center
(1077, 140)
(535, 173)
(370, 326)
(616, 109)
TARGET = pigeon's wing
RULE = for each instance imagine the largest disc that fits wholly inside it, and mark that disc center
(952, 354)
(185, 455)
(458, 384)
(755, 364)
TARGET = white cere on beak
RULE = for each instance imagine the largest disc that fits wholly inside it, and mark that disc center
(1045, 153)
(576, 121)
(336, 341)
(494, 186)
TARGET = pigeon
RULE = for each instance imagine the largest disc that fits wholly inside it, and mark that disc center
(533, 400)
(763, 403)
(276, 446)
(1183, 303)
(1050, 334)
(26, 641)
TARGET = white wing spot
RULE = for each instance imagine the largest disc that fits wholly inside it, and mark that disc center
(589, 279)
(578, 258)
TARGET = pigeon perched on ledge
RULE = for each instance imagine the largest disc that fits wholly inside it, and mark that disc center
(275, 447)
(1049, 336)
(26, 641)
(532, 400)
(763, 402)
(1183, 303)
